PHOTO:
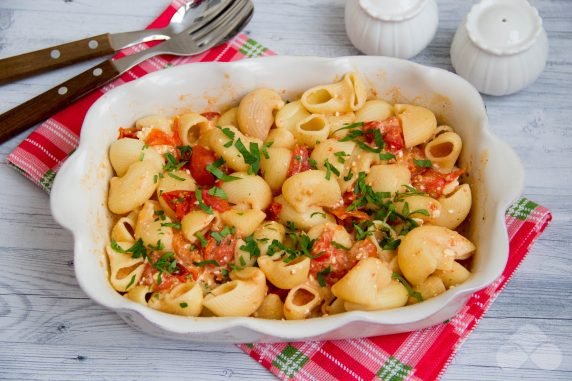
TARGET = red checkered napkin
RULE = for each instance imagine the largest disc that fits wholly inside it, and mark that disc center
(419, 355)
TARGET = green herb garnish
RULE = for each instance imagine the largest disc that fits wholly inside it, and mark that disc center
(321, 276)
(415, 294)
(214, 168)
(423, 163)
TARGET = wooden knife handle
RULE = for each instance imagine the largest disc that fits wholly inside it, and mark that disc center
(23, 65)
(45, 105)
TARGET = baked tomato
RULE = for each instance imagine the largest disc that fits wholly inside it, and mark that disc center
(182, 201)
(300, 161)
(222, 252)
(329, 260)
(201, 157)
(390, 130)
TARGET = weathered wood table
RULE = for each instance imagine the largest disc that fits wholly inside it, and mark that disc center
(50, 330)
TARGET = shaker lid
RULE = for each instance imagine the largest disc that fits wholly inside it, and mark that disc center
(504, 27)
(392, 10)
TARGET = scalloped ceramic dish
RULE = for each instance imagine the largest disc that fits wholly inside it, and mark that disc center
(78, 198)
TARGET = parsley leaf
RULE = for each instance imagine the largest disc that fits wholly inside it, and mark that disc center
(172, 163)
(338, 245)
(175, 225)
(172, 175)
(264, 149)
(415, 294)
(214, 168)
(199, 195)
(202, 239)
(183, 305)
(251, 157)
(130, 282)
(206, 263)
(341, 155)
(423, 163)
(138, 249)
(318, 213)
(313, 163)
(251, 247)
(167, 263)
(321, 276)
(330, 169)
(218, 192)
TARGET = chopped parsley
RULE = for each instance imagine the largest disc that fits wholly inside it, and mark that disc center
(138, 249)
(415, 294)
(166, 263)
(349, 176)
(423, 163)
(341, 155)
(218, 192)
(318, 213)
(330, 169)
(199, 195)
(264, 149)
(160, 215)
(214, 168)
(206, 263)
(202, 239)
(172, 163)
(219, 236)
(251, 247)
(172, 175)
(142, 154)
(251, 157)
(321, 276)
(313, 163)
(158, 247)
(130, 282)
(338, 245)
(175, 225)
(185, 152)
(183, 305)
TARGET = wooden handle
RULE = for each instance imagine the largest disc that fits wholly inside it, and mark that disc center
(39, 61)
(45, 105)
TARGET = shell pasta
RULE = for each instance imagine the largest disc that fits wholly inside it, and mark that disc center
(288, 209)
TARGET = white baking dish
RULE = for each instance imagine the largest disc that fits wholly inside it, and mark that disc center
(78, 198)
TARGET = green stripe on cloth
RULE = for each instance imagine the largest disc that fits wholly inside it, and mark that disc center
(48, 180)
(290, 361)
(521, 209)
(251, 48)
(393, 370)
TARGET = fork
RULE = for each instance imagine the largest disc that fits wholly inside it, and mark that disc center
(195, 40)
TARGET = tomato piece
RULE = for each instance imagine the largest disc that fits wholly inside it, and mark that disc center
(159, 137)
(222, 252)
(182, 202)
(184, 255)
(326, 255)
(343, 214)
(200, 159)
(130, 132)
(217, 203)
(211, 115)
(390, 130)
(273, 211)
(300, 161)
(433, 182)
(363, 249)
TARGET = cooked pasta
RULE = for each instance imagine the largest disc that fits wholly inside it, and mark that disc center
(288, 210)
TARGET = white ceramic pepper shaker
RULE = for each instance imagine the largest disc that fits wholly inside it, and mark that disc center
(396, 28)
(501, 47)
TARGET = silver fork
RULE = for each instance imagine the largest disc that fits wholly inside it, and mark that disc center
(194, 40)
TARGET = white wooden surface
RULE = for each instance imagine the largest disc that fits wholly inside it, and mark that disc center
(49, 330)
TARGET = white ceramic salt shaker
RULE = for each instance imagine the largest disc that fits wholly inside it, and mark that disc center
(396, 28)
(501, 47)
